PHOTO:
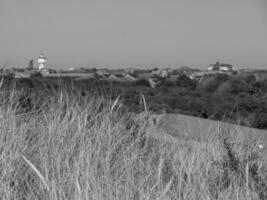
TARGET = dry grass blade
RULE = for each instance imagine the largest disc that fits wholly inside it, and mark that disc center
(1, 82)
(78, 189)
(144, 101)
(2, 79)
(37, 172)
(160, 170)
(167, 188)
(247, 178)
(114, 104)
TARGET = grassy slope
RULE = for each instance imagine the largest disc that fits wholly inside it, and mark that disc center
(90, 149)
(178, 125)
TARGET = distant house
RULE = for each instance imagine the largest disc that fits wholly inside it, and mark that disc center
(130, 77)
(130, 70)
(103, 72)
(221, 67)
(197, 75)
(113, 77)
(47, 71)
(122, 77)
(116, 77)
(165, 73)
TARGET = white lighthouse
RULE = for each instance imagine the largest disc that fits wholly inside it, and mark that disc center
(41, 61)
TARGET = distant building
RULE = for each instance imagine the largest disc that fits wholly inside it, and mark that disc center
(30, 66)
(113, 77)
(197, 75)
(103, 72)
(46, 71)
(221, 67)
(129, 70)
(41, 61)
(130, 77)
(165, 73)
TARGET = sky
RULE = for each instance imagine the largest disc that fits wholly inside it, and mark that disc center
(136, 33)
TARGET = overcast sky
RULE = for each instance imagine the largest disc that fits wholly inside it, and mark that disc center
(126, 33)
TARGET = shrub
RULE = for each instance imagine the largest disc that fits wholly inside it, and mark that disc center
(210, 83)
(184, 81)
(249, 79)
(259, 87)
(36, 74)
(233, 86)
(142, 82)
(260, 121)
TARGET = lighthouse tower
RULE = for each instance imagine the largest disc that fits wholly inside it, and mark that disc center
(41, 61)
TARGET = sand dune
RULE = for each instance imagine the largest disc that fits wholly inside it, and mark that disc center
(176, 126)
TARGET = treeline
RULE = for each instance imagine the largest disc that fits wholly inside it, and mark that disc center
(235, 99)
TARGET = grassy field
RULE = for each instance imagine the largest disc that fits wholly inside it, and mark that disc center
(77, 147)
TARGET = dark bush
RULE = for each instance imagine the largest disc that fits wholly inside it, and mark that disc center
(184, 81)
(36, 75)
(166, 83)
(233, 87)
(249, 79)
(142, 82)
(25, 83)
(259, 87)
(260, 121)
(210, 83)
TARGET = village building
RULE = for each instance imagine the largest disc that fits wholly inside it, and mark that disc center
(116, 77)
(46, 71)
(197, 75)
(130, 77)
(122, 77)
(41, 61)
(164, 73)
(221, 67)
(103, 72)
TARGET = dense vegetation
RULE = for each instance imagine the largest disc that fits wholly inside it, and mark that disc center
(64, 143)
(235, 99)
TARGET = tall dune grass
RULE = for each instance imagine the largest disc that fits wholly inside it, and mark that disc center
(73, 147)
